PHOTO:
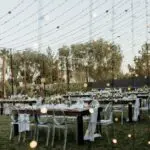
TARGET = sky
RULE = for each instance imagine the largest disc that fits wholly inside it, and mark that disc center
(66, 22)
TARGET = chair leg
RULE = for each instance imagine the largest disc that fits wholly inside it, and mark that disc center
(53, 137)
(122, 118)
(37, 134)
(19, 137)
(65, 138)
(59, 133)
(107, 134)
(48, 134)
(11, 132)
(24, 139)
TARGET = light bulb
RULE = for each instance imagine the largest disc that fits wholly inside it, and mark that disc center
(116, 119)
(33, 144)
(43, 110)
(91, 110)
(95, 66)
(148, 142)
(129, 135)
(129, 88)
(85, 85)
(85, 64)
(107, 84)
(114, 141)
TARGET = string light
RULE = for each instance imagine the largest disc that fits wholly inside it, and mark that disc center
(129, 88)
(33, 144)
(108, 84)
(95, 66)
(85, 64)
(85, 85)
(13, 9)
(9, 12)
(129, 135)
(58, 27)
(43, 110)
(148, 142)
(114, 141)
(107, 11)
(91, 110)
(50, 34)
(116, 119)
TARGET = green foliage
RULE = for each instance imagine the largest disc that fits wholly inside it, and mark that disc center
(141, 61)
(79, 63)
(61, 88)
(29, 62)
(103, 59)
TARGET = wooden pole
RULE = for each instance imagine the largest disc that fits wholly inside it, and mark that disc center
(4, 74)
(68, 74)
(12, 76)
(25, 81)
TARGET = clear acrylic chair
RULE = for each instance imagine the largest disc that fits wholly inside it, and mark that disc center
(59, 122)
(15, 121)
(43, 121)
(119, 109)
(145, 104)
(107, 118)
(31, 122)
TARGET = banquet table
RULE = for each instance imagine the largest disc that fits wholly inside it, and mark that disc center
(68, 112)
(121, 101)
(116, 101)
(143, 97)
(6, 101)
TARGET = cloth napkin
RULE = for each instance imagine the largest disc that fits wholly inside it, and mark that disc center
(60, 106)
(136, 109)
(23, 122)
(7, 109)
(90, 132)
(78, 105)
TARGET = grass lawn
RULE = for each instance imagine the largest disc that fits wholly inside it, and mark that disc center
(140, 132)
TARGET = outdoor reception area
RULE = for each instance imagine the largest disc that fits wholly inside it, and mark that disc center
(75, 75)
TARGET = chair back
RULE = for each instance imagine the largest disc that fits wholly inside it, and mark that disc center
(94, 104)
(108, 113)
(14, 114)
(43, 117)
(59, 117)
(30, 117)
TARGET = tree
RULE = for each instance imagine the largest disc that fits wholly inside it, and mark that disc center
(102, 59)
(31, 66)
(142, 61)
